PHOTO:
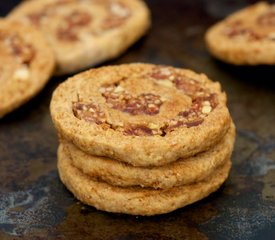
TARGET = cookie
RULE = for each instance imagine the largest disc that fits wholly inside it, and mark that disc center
(141, 114)
(84, 33)
(135, 200)
(246, 37)
(27, 63)
(181, 172)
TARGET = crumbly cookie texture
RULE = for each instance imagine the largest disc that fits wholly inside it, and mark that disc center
(135, 200)
(84, 33)
(181, 172)
(141, 114)
(27, 63)
(246, 37)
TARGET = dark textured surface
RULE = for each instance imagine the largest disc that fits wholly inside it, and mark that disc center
(35, 205)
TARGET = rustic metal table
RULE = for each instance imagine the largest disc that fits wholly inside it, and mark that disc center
(35, 205)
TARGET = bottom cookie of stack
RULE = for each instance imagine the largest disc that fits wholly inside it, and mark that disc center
(135, 200)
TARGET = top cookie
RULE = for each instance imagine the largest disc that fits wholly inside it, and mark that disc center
(85, 32)
(27, 63)
(246, 37)
(142, 114)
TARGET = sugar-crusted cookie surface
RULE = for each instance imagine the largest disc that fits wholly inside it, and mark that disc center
(83, 33)
(27, 63)
(142, 114)
(246, 37)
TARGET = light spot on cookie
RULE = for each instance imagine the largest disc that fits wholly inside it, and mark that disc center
(153, 126)
(119, 10)
(22, 73)
(206, 109)
(166, 83)
(271, 36)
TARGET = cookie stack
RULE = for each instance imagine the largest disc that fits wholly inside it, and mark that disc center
(142, 139)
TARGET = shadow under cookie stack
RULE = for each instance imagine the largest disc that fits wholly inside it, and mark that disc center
(142, 139)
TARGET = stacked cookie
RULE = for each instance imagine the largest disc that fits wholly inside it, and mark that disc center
(142, 139)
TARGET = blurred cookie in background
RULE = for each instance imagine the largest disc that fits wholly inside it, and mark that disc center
(84, 33)
(246, 37)
(27, 63)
